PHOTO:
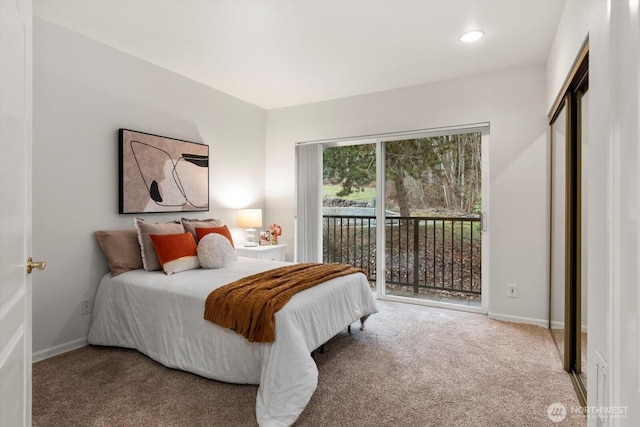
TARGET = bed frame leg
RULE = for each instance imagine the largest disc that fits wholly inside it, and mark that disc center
(321, 348)
(362, 320)
(318, 350)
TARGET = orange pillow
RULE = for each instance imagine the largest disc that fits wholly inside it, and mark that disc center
(201, 232)
(176, 252)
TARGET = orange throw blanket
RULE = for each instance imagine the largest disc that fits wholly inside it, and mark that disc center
(248, 305)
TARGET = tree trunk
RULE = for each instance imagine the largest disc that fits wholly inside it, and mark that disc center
(401, 194)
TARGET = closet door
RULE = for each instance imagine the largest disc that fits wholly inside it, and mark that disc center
(567, 290)
(581, 336)
(558, 310)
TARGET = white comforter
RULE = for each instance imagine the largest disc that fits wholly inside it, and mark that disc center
(162, 317)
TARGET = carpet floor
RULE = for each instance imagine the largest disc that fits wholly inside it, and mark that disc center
(411, 366)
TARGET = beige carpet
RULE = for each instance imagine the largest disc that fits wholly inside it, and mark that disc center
(412, 366)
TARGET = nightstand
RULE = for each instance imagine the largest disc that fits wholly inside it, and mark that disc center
(270, 252)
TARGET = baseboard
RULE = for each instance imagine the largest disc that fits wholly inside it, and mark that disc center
(59, 349)
(518, 319)
(557, 325)
(560, 325)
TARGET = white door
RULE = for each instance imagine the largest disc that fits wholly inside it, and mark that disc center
(15, 212)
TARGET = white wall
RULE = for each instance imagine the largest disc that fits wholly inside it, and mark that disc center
(573, 31)
(83, 92)
(513, 101)
(613, 190)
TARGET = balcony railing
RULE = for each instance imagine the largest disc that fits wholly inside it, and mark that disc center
(438, 253)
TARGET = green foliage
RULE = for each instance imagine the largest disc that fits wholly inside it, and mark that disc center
(353, 167)
(438, 173)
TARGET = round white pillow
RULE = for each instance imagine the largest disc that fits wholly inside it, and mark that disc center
(215, 251)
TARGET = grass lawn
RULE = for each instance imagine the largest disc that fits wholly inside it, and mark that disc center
(366, 195)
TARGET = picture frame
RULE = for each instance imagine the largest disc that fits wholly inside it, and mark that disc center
(161, 174)
(265, 238)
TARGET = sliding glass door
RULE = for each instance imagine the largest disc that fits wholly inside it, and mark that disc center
(433, 210)
(349, 226)
(408, 209)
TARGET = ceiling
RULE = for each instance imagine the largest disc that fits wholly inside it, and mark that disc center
(279, 53)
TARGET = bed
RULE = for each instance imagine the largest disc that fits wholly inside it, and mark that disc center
(162, 316)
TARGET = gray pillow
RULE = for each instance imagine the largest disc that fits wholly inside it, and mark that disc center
(147, 250)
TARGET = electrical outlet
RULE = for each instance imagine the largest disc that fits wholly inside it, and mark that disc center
(86, 307)
(512, 291)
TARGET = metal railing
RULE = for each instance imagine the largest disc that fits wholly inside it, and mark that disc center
(440, 253)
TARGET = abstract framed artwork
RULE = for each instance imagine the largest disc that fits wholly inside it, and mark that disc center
(160, 174)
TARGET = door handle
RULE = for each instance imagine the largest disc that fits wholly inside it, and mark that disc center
(38, 265)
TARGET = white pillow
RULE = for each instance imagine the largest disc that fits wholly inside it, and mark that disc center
(215, 251)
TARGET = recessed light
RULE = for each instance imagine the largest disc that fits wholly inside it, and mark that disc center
(471, 36)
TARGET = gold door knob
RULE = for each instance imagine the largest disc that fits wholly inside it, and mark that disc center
(38, 265)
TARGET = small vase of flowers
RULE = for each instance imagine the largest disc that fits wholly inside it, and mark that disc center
(275, 230)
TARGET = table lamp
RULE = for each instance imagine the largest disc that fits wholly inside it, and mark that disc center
(249, 219)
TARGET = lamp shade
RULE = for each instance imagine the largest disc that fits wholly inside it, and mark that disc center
(249, 218)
